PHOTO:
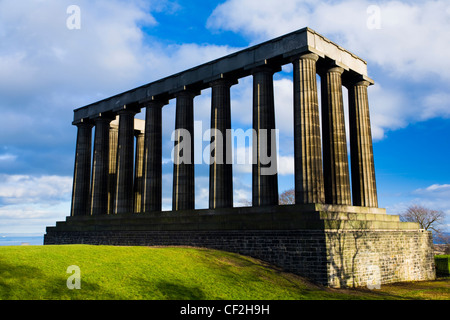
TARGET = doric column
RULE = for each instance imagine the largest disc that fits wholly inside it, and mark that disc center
(139, 171)
(309, 186)
(112, 177)
(152, 195)
(221, 168)
(100, 166)
(82, 170)
(335, 158)
(183, 197)
(264, 171)
(364, 189)
(125, 157)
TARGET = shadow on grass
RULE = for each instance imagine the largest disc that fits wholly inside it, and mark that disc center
(177, 291)
(22, 282)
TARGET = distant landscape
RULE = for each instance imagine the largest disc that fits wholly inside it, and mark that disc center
(17, 239)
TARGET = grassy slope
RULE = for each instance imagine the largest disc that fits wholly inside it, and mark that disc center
(39, 272)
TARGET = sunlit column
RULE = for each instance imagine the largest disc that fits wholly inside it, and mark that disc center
(364, 189)
(335, 157)
(309, 186)
(139, 170)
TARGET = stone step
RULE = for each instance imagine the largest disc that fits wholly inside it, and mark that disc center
(235, 222)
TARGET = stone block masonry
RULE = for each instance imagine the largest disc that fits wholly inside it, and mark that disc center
(347, 259)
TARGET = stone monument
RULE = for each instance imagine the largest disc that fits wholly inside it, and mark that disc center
(334, 234)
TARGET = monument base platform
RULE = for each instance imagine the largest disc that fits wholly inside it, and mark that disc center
(336, 246)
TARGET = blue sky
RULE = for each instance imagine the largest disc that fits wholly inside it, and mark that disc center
(47, 70)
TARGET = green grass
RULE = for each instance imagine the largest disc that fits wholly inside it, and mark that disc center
(175, 273)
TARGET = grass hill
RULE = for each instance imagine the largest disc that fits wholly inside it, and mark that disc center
(169, 273)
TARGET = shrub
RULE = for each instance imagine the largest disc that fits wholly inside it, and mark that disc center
(442, 265)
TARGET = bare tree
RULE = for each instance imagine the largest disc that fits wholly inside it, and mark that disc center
(287, 197)
(428, 219)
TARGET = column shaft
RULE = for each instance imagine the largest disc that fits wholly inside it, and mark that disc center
(152, 196)
(82, 171)
(335, 157)
(139, 171)
(221, 169)
(112, 177)
(364, 188)
(125, 157)
(264, 173)
(183, 172)
(100, 167)
(309, 186)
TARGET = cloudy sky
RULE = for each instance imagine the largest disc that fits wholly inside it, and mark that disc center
(48, 68)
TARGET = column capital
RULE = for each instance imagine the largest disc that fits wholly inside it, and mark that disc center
(223, 81)
(263, 66)
(107, 117)
(351, 79)
(184, 91)
(128, 108)
(329, 66)
(83, 122)
(304, 56)
(265, 69)
(154, 102)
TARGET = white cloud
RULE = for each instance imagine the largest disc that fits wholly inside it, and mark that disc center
(285, 165)
(410, 46)
(46, 68)
(29, 203)
(437, 191)
(8, 157)
(26, 190)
